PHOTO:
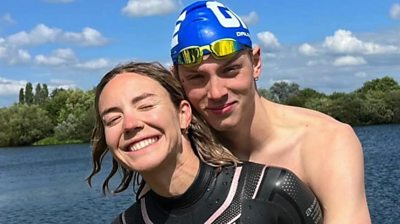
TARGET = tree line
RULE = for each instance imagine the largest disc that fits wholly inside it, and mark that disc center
(376, 102)
(63, 116)
(67, 116)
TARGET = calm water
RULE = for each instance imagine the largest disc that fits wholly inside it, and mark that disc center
(46, 184)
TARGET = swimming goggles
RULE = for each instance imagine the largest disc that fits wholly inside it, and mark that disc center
(221, 48)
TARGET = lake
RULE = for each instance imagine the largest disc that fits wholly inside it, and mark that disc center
(47, 184)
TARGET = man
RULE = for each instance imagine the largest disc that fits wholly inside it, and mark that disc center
(217, 65)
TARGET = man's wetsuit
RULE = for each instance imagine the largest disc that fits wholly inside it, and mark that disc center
(248, 193)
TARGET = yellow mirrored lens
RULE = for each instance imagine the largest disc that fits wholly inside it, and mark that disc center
(189, 56)
(220, 48)
(224, 47)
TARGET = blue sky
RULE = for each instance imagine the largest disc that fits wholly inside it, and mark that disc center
(329, 46)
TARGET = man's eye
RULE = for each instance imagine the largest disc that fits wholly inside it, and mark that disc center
(194, 77)
(231, 70)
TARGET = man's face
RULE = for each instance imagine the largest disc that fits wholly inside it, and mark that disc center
(222, 90)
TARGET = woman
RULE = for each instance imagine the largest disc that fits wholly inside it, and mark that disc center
(143, 118)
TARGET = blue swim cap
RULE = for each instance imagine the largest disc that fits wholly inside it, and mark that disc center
(204, 22)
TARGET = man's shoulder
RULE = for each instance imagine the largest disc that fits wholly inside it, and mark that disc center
(321, 135)
(314, 124)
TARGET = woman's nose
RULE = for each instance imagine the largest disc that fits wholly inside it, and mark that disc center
(132, 123)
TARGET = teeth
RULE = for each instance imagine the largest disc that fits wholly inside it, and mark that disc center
(142, 144)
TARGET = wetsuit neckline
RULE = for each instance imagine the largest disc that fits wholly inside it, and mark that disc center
(193, 193)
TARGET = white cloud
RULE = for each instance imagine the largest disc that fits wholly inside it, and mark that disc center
(22, 56)
(307, 49)
(94, 64)
(42, 34)
(7, 18)
(270, 55)
(349, 61)
(395, 11)
(13, 55)
(61, 83)
(149, 7)
(38, 35)
(332, 71)
(317, 62)
(250, 19)
(58, 82)
(361, 74)
(3, 51)
(88, 37)
(58, 57)
(343, 41)
(268, 40)
(10, 87)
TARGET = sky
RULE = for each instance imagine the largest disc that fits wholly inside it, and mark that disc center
(329, 45)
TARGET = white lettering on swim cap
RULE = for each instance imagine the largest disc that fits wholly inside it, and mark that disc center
(233, 21)
(216, 7)
(175, 37)
(239, 34)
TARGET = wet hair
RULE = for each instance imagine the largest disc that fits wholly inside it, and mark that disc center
(205, 145)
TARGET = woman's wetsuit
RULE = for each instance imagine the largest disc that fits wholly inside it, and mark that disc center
(248, 193)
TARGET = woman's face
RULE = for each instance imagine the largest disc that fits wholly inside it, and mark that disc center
(142, 126)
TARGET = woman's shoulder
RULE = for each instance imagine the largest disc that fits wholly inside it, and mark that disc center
(130, 215)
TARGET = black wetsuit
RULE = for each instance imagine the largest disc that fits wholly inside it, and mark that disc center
(248, 193)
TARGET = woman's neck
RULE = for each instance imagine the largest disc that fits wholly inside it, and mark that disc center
(177, 173)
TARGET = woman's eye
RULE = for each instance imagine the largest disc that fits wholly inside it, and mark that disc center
(146, 106)
(110, 121)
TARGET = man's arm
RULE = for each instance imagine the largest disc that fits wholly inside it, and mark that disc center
(337, 175)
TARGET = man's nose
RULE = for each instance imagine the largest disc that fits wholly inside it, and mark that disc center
(216, 88)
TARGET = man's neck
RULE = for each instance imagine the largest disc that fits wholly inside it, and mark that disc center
(249, 136)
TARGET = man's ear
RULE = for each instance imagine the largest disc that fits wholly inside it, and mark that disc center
(256, 62)
(185, 114)
(174, 70)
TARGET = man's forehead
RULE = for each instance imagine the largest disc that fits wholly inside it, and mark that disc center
(210, 59)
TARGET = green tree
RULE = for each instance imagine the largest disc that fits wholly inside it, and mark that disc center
(4, 127)
(392, 99)
(382, 84)
(378, 110)
(377, 95)
(29, 93)
(37, 98)
(44, 93)
(303, 96)
(281, 92)
(319, 104)
(56, 102)
(76, 118)
(24, 125)
(347, 108)
(21, 96)
(264, 93)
